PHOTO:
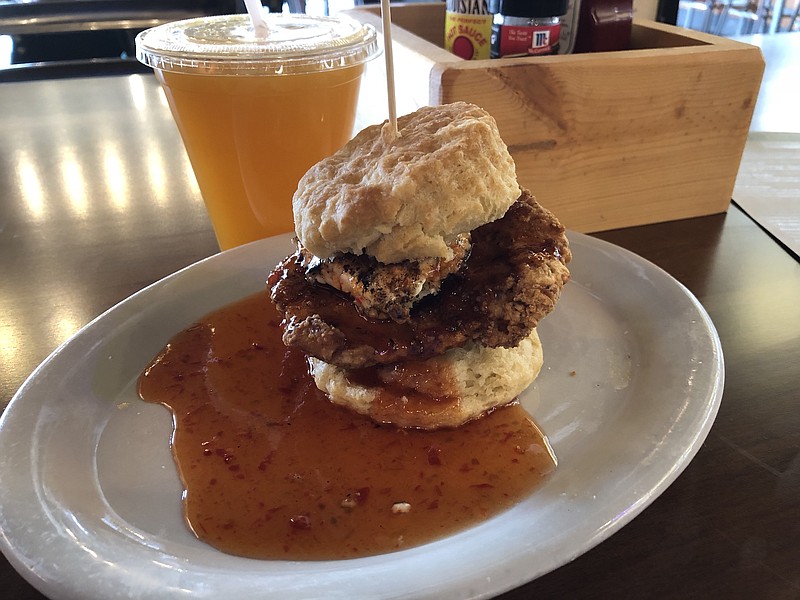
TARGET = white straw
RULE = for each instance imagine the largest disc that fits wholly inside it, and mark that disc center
(256, 18)
(386, 16)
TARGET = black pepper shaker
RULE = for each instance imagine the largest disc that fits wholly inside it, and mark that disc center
(526, 27)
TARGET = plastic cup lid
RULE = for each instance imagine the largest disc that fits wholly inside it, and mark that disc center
(227, 45)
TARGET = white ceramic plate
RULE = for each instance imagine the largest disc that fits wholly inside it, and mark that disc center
(90, 498)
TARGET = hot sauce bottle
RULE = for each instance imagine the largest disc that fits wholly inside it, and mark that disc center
(468, 28)
(526, 27)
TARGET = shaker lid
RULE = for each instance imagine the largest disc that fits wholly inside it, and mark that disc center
(529, 8)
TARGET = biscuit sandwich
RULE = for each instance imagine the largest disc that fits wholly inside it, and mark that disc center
(422, 270)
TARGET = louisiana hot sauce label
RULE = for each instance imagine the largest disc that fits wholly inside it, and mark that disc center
(527, 40)
(468, 29)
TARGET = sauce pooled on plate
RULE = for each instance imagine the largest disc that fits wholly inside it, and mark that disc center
(273, 470)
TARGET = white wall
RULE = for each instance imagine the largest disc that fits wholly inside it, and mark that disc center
(645, 9)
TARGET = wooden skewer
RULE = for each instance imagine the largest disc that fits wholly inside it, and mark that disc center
(386, 17)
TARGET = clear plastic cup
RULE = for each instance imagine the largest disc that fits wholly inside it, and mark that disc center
(255, 114)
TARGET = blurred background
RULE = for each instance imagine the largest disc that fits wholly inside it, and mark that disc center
(739, 17)
(63, 38)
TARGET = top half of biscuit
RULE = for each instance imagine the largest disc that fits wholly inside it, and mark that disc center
(406, 197)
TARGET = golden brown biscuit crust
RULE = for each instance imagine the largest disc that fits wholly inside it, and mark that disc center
(403, 198)
(445, 391)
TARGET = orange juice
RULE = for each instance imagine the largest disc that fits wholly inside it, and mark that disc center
(256, 109)
(250, 139)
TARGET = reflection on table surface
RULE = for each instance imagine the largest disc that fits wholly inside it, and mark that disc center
(99, 201)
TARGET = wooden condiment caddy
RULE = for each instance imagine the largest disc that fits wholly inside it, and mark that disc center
(605, 140)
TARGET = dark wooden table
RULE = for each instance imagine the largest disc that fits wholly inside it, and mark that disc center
(98, 200)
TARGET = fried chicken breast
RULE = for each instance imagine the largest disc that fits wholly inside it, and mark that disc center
(512, 279)
(385, 291)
